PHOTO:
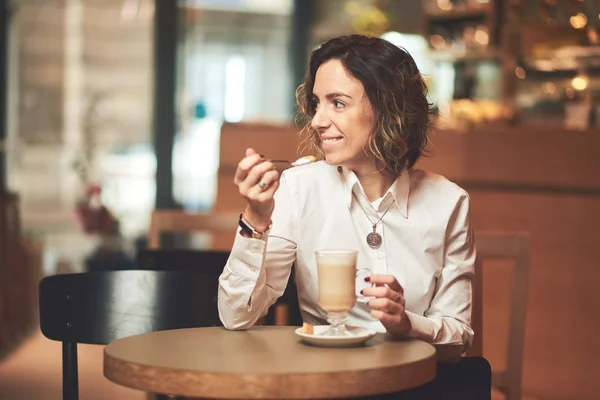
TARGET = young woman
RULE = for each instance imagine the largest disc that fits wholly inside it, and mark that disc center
(367, 116)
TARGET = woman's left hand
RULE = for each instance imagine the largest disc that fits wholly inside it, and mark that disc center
(388, 304)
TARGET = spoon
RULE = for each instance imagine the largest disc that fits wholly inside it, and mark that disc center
(301, 161)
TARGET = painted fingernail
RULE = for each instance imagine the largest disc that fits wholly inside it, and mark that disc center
(361, 291)
(367, 279)
(262, 155)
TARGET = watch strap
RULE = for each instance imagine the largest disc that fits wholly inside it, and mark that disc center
(250, 231)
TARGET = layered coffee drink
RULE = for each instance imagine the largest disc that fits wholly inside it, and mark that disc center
(337, 287)
(337, 281)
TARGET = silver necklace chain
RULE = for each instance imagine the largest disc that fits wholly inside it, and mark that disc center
(374, 239)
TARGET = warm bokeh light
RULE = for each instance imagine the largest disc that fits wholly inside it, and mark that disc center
(580, 82)
(549, 88)
(578, 21)
(482, 37)
(592, 35)
(445, 5)
(437, 42)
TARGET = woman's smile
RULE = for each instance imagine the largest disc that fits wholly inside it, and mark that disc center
(330, 143)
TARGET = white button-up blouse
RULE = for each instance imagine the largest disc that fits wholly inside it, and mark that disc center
(428, 245)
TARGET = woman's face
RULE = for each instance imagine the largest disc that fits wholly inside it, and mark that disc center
(343, 116)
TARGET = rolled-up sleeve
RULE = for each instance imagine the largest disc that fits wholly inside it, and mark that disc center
(258, 270)
(447, 320)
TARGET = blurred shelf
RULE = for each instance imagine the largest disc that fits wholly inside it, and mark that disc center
(565, 60)
(457, 16)
(468, 55)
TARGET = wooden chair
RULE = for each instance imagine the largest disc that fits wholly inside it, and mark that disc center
(162, 221)
(99, 307)
(514, 246)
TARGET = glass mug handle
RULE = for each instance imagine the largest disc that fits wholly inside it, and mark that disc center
(361, 274)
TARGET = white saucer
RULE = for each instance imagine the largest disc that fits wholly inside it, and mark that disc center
(360, 336)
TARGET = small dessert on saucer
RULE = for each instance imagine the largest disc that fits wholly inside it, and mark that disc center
(307, 329)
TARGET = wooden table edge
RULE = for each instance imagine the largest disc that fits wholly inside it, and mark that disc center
(213, 385)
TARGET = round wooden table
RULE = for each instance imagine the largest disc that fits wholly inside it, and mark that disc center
(264, 363)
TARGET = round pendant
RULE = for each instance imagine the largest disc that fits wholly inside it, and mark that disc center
(374, 240)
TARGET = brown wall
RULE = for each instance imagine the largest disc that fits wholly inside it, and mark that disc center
(274, 142)
(561, 344)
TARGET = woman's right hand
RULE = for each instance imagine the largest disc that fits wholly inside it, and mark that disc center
(257, 181)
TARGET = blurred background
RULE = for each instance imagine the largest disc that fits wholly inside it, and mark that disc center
(114, 108)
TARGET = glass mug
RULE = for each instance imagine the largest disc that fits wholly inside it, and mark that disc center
(337, 287)
(361, 284)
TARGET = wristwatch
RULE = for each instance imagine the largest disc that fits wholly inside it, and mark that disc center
(250, 231)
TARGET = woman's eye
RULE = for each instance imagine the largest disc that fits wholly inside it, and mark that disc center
(338, 104)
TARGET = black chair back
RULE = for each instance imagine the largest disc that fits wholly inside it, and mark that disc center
(214, 262)
(99, 307)
(211, 262)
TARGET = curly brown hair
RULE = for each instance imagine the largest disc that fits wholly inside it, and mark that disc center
(395, 89)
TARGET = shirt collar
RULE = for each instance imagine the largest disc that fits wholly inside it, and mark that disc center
(400, 189)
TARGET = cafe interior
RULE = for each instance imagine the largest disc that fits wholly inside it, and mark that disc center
(122, 123)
